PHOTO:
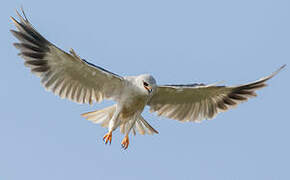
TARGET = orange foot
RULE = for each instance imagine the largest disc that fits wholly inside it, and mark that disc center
(108, 137)
(125, 142)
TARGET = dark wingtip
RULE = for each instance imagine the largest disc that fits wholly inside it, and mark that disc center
(14, 20)
(22, 10)
(14, 32)
(283, 66)
(276, 72)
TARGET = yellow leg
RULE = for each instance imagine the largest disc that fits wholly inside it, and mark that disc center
(125, 142)
(108, 137)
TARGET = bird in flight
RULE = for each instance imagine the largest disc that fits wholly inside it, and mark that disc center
(71, 77)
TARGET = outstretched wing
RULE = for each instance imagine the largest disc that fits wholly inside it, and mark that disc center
(66, 75)
(197, 101)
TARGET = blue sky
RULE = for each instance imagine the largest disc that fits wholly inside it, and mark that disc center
(44, 137)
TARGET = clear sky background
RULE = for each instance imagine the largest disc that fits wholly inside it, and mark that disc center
(44, 137)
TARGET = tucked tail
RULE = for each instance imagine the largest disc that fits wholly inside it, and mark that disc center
(104, 116)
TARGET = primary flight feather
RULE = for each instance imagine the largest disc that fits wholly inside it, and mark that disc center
(73, 78)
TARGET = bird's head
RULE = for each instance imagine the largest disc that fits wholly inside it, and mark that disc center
(147, 83)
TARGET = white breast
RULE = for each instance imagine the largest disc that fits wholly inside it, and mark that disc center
(133, 99)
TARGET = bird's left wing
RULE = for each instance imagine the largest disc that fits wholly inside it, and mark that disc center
(66, 75)
(197, 102)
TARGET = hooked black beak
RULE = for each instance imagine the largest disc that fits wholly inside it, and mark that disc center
(149, 88)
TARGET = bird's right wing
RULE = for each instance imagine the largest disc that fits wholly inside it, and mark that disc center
(66, 75)
(198, 102)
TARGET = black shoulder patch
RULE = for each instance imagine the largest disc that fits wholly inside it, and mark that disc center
(91, 64)
(185, 85)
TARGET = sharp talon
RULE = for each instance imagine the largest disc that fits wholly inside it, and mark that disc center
(108, 138)
(125, 142)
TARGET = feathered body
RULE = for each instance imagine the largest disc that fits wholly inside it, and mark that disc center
(69, 76)
(128, 108)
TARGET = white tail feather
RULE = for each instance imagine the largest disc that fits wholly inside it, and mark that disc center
(141, 125)
(104, 116)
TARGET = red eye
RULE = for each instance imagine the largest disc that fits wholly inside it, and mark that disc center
(145, 84)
